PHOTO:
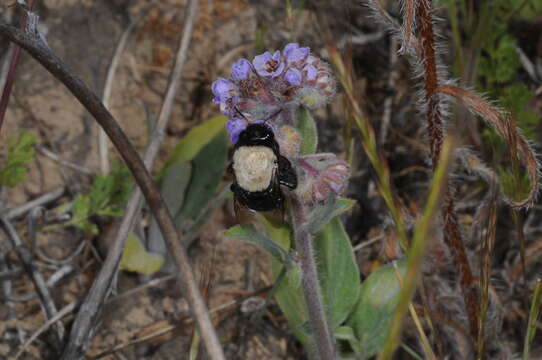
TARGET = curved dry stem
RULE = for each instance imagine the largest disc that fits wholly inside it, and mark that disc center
(34, 44)
(503, 123)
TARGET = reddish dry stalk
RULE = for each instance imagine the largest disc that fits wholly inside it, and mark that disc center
(452, 234)
(10, 79)
(434, 117)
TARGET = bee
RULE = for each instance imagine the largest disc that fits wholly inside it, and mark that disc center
(260, 170)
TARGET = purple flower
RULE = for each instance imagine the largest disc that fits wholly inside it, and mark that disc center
(293, 53)
(293, 76)
(241, 69)
(223, 90)
(310, 72)
(268, 65)
(234, 126)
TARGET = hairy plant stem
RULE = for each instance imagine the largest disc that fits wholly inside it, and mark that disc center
(452, 234)
(35, 46)
(321, 333)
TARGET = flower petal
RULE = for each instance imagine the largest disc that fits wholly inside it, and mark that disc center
(241, 69)
(235, 126)
(293, 76)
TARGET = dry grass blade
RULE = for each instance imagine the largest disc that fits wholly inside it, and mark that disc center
(58, 316)
(536, 304)
(428, 351)
(369, 145)
(504, 125)
(103, 143)
(27, 262)
(418, 249)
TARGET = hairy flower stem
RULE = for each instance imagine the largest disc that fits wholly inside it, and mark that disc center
(452, 234)
(321, 334)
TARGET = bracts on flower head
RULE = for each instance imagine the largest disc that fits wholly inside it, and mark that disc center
(321, 176)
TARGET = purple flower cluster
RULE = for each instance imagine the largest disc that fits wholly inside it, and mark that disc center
(272, 86)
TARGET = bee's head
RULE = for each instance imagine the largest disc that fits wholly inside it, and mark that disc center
(256, 134)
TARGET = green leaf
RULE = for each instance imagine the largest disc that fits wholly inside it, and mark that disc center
(532, 9)
(136, 258)
(107, 197)
(322, 215)
(250, 234)
(20, 152)
(172, 188)
(346, 333)
(289, 295)
(208, 168)
(501, 63)
(174, 183)
(195, 140)
(81, 212)
(307, 126)
(338, 272)
(372, 316)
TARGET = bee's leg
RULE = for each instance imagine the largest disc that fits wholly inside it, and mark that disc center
(283, 210)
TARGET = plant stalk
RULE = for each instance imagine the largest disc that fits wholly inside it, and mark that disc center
(321, 333)
(452, 234)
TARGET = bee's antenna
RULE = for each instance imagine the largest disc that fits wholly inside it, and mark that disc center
(272, 115)
(240, 113)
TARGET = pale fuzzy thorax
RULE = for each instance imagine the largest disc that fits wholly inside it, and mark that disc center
(254, 167)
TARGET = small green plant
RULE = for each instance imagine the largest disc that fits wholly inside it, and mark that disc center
(499, 61)
(107, 197)
(20, 153)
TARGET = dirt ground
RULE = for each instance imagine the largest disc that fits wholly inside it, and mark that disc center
(85, 35)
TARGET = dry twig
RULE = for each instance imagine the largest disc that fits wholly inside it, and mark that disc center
(28, 265)
(34, 44)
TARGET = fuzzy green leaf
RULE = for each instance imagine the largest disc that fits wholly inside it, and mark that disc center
(322, 215)
(372, 316)
(208, 168)
(20, 152)
(338, 272)
(250, 234)
(307, 127)
(346, 333)
(172, 188)
(191, 144)
(289, 295)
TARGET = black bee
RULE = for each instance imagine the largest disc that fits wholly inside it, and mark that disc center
(259, 170)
